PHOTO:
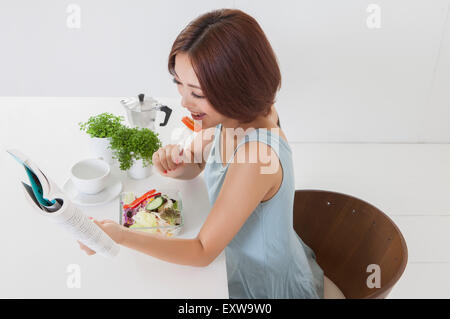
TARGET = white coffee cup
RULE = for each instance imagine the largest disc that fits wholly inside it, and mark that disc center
(90, 176)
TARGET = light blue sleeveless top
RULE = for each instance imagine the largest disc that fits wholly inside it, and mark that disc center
(266, 258)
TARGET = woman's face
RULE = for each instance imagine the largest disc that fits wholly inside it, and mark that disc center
(192, 95)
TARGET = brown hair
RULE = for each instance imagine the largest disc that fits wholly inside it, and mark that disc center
(234, 62)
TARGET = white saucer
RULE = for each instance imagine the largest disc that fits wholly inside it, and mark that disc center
(108, 194)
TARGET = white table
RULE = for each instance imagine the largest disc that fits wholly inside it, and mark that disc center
(36, 255)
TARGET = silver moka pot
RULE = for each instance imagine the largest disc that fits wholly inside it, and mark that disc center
(141, 111)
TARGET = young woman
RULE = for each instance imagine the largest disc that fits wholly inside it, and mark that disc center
(227, 75)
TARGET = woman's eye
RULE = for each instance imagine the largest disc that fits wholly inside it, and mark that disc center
(197, 96)
(192, 93)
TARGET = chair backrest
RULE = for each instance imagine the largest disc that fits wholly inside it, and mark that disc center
(348, 235)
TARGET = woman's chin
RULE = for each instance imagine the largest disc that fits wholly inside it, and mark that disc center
(205, 124)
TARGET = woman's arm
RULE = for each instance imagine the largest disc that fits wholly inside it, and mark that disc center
(233, 206)
(244, 187)
(193, 159)
(175, 250)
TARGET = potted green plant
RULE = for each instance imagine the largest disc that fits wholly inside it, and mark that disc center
(134, 148)
(101, 128)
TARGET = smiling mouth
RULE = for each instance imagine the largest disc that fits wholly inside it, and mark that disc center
(198, 116)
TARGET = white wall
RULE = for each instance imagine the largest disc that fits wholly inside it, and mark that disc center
(342, 82)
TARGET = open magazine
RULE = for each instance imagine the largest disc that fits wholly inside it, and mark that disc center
(48, 200)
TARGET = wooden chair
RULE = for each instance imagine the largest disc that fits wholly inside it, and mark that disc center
(347, 235)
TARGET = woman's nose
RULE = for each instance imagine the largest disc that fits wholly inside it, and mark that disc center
(185, 102)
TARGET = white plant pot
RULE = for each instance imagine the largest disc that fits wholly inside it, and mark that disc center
(137, 171)
(100, 149)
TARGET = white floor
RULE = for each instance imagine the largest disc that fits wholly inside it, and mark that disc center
(410, 183)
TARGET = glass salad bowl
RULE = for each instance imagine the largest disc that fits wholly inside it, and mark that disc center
(159, 211)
